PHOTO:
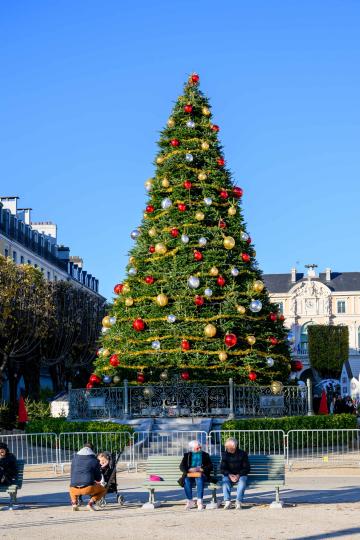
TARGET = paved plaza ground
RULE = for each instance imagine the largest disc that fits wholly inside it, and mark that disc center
(319, 504)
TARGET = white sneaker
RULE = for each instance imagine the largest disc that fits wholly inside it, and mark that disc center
(238, 505)
(189, 505)
(227, 505)
(91, 506)
(200, 505)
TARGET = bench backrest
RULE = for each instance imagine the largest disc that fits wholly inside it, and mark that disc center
(264, 469)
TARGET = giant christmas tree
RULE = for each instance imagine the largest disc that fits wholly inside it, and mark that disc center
(193, 301)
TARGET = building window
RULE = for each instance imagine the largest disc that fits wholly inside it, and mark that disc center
(55, 278)
(14, 256)
(48, 276)
(303, 345)
(42, 270)
(280, 306)
(35, 265)
(29, 262)
(341, 306)
(22, 260)
(6, 252)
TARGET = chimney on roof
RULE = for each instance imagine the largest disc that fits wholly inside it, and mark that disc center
(328, 274)
(293, 275)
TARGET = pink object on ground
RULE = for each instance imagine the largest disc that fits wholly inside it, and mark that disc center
(155, 478)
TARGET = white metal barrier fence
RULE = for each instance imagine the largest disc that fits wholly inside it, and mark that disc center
(322, 446)
(34, 448)
(165, 443)
(271, 442)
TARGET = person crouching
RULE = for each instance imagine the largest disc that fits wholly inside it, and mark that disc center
(85, 477)
(234, 467)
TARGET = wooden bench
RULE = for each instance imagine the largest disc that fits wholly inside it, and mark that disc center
(265, 471)
(13, 488)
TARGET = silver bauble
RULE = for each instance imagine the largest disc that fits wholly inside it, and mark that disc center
(164, 375)
(189, 157)
(132, 271)
(190, 124)
(135, 234)
(270, 361)
(107, 379)
(112, 320)
(166, 203)
(193, 282)
(185, 239)
(148, 391)
(116, 379)
(208, 292)
(208, 201)
(255, 306)
(244, 236)
(202, 241)
(171, 318)
(234, 272)
(156, 344)
(104, 330)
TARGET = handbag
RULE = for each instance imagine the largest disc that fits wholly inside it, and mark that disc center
(194, 474)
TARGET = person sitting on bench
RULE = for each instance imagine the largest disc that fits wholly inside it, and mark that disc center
(235, 467)
(85, 477)
(196, 467)
(8, 469)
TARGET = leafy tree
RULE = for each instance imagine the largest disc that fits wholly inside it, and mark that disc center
(328, 348)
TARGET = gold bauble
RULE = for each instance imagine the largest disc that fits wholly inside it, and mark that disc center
(205, 145)
(152, 232)
(165, 183)
(213, 271)
(229, 242)
(199, 216)
(171, 122)
(160, 248)
(276, 387)
(251, 340)
(210, 330)
(223, 356)
(159, 160)
(258, 285)
(106, 322)
(232, 211)
(106, 352)
(126, 288)
(132, 260)
(162, 300)
(149, 184)
(145, 215)
(129, 301)
(241, 310)
(206, 111)
(202, 176)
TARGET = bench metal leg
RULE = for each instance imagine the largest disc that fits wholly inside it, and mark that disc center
(151, 504)
(277, 503)
(213, 505)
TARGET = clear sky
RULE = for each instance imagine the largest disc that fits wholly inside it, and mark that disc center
(86, 85)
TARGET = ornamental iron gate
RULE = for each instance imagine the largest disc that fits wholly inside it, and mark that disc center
(176, 398)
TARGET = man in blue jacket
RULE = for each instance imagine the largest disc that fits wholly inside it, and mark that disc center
(85, 477)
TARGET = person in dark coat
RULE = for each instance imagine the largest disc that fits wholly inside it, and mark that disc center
(235, 468)
(8, 468)
(107, 464)
(85, 477)
(198, 463)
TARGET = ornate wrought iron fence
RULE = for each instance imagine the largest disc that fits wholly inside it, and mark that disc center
(97, 403)
(261, 401)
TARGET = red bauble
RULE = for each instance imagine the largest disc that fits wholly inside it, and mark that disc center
(198, 256)
(199, 300)
(230, 340)
(118, 288)
(222, 224)
(296, 365)
(152, 249)
(195, 78)
(149, 209)
(149, 280)
(94, 379)
(272, 317)
(174, 232)
(249, 240)
(182, 207)
(220, 162)
(281, 317)
(138, 325)
(252, 376)
(185, 376)
(221, 281)
(245, 257)
(237, 192)
(273, 340)
(89, 386)
(187, 184)
(224, 194)
(114, 360)
(174, 142)
(140, 378)
(188, 108)
(215, 128)
(185, 344)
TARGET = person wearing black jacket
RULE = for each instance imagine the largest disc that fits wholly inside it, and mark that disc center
(234, 467)
(85, 477)
(8, 469)
(197, 463)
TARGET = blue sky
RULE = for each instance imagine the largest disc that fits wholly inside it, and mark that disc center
(86, 86)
